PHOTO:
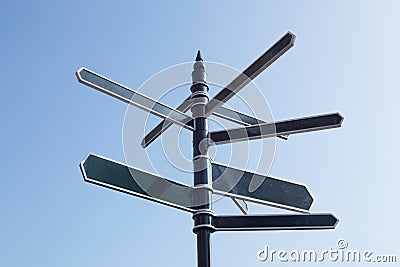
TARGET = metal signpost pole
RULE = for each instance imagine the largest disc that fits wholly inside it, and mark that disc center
(201, 164)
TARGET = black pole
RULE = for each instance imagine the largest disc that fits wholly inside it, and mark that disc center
(201, 162)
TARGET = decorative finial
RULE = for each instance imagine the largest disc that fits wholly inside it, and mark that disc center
(199, 70)
(198, 57)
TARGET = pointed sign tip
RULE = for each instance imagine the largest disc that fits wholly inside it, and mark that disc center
(83, 166)
(293, 36)
(336, 220)
(78, 74)
(341, 118)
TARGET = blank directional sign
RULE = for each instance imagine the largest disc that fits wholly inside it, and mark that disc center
(132, 97)
(265, 60)
(120, 177)
(288, 127)
(274, 222)
(260, 189)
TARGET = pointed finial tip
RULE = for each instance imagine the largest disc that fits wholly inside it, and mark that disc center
(198, 57)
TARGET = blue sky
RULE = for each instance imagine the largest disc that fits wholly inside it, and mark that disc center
(346, 58)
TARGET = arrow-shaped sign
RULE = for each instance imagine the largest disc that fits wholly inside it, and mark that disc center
(228, 181)
(288, 127)
(263, 62)
(274, 222)
(120, 177)
(133, 98)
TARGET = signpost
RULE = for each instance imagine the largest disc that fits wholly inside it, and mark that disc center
(210, 177)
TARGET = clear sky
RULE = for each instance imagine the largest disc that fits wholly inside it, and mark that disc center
(346, 59)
